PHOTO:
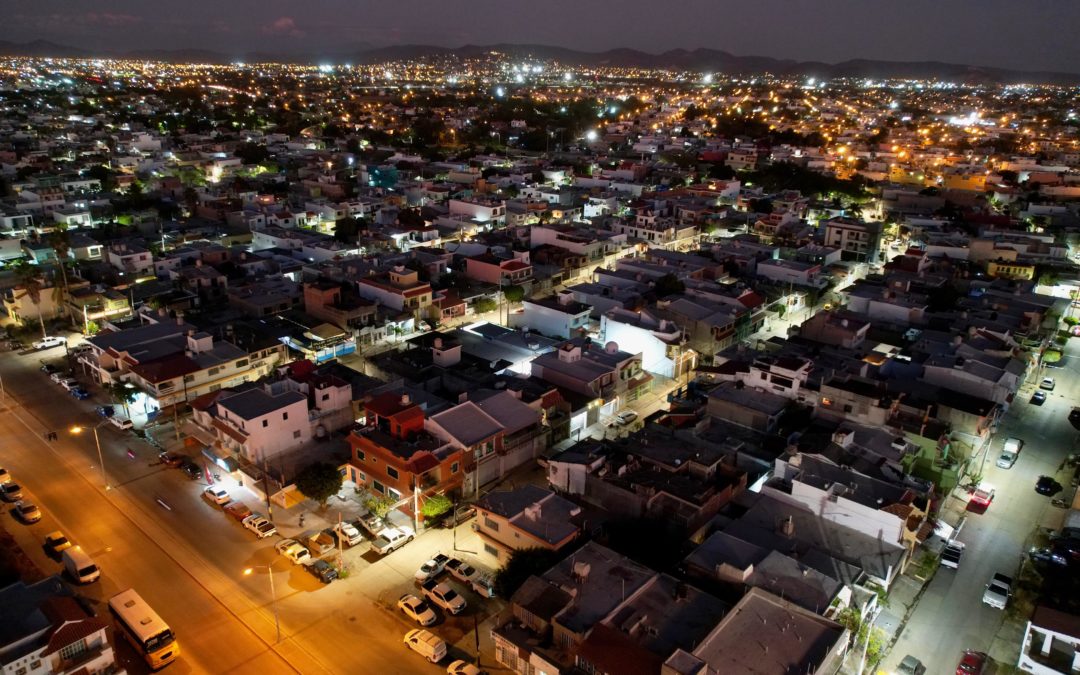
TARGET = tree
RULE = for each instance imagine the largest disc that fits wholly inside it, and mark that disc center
(319, 481)
(435, 506)
(513, 293)
(346, 230)
(252, 153)
(29, 278)
(667, 285)
(523, 564)
(123, 393)
(863, 636)
(485, 305)
(61, 244)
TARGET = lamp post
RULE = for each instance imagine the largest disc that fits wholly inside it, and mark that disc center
(97, 442)
(273, 594)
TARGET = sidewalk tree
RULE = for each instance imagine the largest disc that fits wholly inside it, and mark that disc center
(513, 293)
(435, 506)
(29, 277)
(123, 393)
(319, 481)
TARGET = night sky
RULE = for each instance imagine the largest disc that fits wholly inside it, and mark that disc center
(1022, 34)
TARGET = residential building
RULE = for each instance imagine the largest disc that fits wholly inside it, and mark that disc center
(1051, 643)
(399, 289)
(499, 271)
(664, 348)
(47, 632)
(130, 258)
(392, 455)
(858, 240)
(522, 518)
(254, 423)
(609, 374)
(555, 316)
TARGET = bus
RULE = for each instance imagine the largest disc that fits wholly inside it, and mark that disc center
(144, 629)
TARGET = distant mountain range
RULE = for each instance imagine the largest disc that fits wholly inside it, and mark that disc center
(702, 60)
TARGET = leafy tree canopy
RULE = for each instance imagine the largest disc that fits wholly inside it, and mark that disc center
(319, 481)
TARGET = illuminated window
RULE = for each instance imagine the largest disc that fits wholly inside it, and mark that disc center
(825, 400)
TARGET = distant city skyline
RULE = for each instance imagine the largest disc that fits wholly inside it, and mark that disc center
(995, 33)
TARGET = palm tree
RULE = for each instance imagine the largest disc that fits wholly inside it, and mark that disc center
(30, 279)
(123, 393)
(61, 245)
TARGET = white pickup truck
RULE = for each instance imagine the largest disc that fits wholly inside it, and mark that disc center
(391, 539)
(998, 591)
(443, 596)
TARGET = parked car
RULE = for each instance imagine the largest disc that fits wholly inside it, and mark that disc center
(461, 570)
(190, 469)
(10, 491)
(238, 510)
(998, 591)
(27, 512)
(443, 596)
(216, 494)
(483, 585)
(950, 557)
(972, 663)
(625, 417)
(170, 459)
(1047, 558)
(1046, 485)
(55, 543)
(294, 551)
(1010, 452)
(105, 410)
(49, 369)
(80, 393)
(69, 383)
(460, 667)
(59, 376)
(372, 523)
(121, 423)
(1038, 398)
(432, 568)
(910, 665)
(348, 533)
(262, 527)
(981, 498)
(5, 477)
(322, 570)
(391, 539)
(49, 341)
(425, 644)
(1047, 383)
(416, 609)
(322, 542)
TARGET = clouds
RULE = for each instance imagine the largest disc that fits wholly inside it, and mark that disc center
(71, 20)
(283, 26)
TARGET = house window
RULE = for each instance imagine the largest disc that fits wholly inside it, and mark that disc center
(847, 408)
(325, 397)
(392, 472)
(360, 455)
(284, 415)
(242, 363)
(189, 378)
(491, 550)
(379, 487)
(266, 423)
(296, 434)
(454, 468)
(34, 665)
(72, 650)
(491, 524)
(214, 371)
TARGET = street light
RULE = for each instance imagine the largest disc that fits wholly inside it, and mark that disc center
(273, 594)
(97, 441)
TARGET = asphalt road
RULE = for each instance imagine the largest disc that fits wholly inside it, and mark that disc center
(951, 616)
(188, 561)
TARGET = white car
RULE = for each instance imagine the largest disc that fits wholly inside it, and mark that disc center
(1010, 452)
(294, 551)
(460, 667)
(348, 533)
(262, 527)
(49, 342)
(27, 511)
(69, 383)
(1047, 384)
(950, 557)
(462, 571)
(120, 423)
(425, 644)
(217, 494)
(416, 609)
(625, 417)
(59, 376)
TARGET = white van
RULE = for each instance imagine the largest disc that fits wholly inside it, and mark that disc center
(80, 566)
(120, 423)
(426, 644)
